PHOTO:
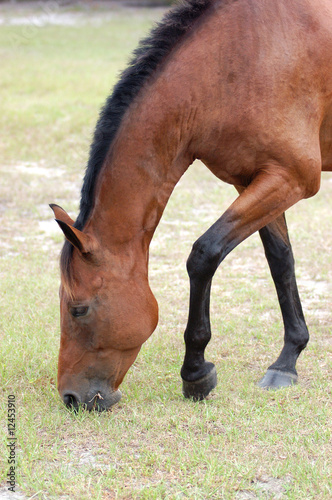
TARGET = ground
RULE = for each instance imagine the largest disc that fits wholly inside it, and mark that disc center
(58, 65)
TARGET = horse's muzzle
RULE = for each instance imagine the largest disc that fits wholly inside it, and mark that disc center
(93, 400)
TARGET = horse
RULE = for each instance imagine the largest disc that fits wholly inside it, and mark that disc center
(246, 87)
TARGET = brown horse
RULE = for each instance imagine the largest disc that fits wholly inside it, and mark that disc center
(246, 87)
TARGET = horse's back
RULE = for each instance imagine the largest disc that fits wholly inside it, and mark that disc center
(259, 76)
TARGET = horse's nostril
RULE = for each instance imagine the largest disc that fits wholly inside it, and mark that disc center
(71, 401)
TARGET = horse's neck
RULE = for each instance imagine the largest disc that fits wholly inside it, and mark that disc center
(154, 146)
(145, 162)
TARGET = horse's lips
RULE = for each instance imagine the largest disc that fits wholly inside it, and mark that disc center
(100, 401)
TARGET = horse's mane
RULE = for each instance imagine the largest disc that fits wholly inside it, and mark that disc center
(150, 53)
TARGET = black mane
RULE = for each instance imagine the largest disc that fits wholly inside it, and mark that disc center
(149, 54)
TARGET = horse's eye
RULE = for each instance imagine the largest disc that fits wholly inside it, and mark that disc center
(79, 311)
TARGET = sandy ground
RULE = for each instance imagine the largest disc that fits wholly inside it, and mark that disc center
(37, 14)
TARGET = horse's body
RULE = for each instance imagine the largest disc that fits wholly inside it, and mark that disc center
(243, 85)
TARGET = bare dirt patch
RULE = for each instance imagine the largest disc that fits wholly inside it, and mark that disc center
(55, 13)
(25, 216)
(270, 487)
(5, 494)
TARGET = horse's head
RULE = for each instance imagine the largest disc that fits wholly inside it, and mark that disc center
(107, 311)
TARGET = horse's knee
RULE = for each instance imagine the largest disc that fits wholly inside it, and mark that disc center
(203, 259)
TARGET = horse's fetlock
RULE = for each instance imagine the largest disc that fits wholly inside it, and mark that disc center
(303, 339)
(299, 339)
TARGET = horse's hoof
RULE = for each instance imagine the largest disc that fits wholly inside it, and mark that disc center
(199, 389)
(276, 379)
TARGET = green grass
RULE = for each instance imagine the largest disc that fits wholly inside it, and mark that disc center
(154, 444)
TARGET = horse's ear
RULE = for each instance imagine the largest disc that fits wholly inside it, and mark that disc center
(61, 214)
(83, 242)
(77, 238)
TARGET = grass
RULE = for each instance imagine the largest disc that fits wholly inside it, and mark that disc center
(241, 442)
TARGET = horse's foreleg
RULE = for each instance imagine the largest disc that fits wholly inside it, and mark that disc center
(199, 376)
(279, 255)
(272, 192)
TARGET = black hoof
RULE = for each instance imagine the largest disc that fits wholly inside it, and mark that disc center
(275, 379)
(199, 389)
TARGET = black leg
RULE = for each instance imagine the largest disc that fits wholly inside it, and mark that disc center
(266, 198)
(279, 254)
(199, 376)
